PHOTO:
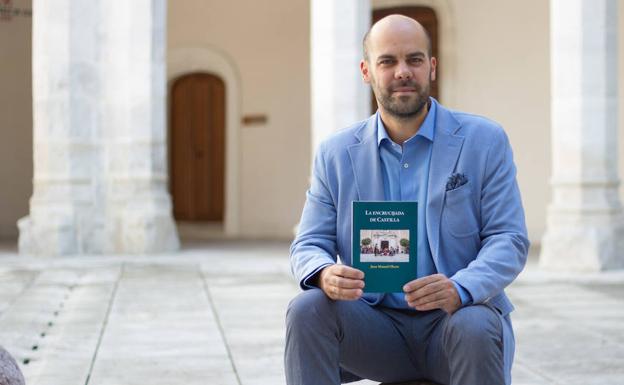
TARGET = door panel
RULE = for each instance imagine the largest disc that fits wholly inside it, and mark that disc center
(198, 147)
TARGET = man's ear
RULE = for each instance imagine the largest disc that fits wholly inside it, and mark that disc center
(434, 64)
(365, 71)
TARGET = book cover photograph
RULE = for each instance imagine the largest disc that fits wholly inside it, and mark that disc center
(384, 244)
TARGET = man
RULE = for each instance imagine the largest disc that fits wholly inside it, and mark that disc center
(451, 325)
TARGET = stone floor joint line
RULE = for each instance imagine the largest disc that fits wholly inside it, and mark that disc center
(105, 322)
(213, 307)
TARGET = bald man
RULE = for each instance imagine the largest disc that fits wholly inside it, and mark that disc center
(451, 324)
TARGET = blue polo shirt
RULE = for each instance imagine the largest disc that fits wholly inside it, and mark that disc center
(405, 173)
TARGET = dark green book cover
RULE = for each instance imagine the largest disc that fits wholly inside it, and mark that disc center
(384, 244)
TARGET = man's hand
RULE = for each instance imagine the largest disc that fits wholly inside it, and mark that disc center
(341, 282)
(432, 292)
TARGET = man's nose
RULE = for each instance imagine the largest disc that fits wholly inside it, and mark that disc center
(403, 72)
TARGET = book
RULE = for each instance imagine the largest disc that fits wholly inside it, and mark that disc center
(384, 236)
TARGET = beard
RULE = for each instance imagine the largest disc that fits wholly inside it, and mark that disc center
(404, 106)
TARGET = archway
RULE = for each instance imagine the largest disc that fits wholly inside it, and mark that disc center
(182, 61)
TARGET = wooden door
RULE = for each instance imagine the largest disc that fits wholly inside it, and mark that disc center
(425, 16)
(198, 147)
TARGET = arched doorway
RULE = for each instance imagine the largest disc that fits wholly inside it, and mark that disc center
(197, 159)
(425, 16)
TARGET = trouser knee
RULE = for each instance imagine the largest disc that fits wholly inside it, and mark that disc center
(474, 329)
(307, 307)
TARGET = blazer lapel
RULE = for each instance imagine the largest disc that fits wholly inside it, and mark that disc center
(446, 149)
(367, 173)
(366, 163)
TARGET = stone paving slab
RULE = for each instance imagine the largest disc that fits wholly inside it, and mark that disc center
(162, 330)
(53, 328)
(252, 313)
(214, 314)
(66, 352)
(568, 333)
(12, 284)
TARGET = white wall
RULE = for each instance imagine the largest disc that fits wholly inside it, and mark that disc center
(269, 47)
(503, 72)
(15, 119)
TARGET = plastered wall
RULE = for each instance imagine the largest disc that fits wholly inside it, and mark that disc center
(503, 72)
(15, 115)
(268, 46)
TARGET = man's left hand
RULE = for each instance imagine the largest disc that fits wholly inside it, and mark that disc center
(432, 292)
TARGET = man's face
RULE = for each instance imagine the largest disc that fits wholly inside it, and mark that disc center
(400, 71)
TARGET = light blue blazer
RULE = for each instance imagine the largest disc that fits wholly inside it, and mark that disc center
(477, 232)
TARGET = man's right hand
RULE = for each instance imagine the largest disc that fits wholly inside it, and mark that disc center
(341, 282)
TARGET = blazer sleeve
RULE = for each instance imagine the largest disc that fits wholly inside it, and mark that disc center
(504, 242)
(314, 246)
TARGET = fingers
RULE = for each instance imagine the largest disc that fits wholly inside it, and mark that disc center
(422, 282)
(432, 288)
(341, 282)
(337, 293)
(348, 272)
(346, 283)
(432, 292)
(449, 305)
(442, 304)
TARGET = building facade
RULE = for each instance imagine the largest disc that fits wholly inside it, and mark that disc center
(268, 84)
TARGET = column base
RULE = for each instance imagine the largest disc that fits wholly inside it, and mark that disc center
(60, 231)
(583, 244)
(140, 219)
(145, 232)
(34, 239)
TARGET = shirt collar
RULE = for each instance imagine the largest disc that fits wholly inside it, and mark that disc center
(427, 128)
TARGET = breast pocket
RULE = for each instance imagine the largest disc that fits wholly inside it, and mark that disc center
(459, 214)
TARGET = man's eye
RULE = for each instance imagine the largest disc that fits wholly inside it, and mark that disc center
(417, 60)
(385, 62)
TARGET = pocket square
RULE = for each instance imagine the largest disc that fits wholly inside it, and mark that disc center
(456, 180)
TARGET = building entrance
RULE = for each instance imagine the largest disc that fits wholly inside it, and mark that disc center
(197, 160)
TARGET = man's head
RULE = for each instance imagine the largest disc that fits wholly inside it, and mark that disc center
(398, 65)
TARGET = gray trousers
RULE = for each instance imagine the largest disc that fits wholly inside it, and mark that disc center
(331, 342)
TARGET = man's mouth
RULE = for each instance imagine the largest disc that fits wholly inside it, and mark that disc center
(404, 90)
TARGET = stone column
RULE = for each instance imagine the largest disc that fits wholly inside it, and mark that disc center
(585, 225)
(139, 211)
(99, 133)
(66, 90)
(339, 96)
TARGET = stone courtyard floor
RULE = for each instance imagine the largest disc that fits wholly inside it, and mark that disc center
(213, 313)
